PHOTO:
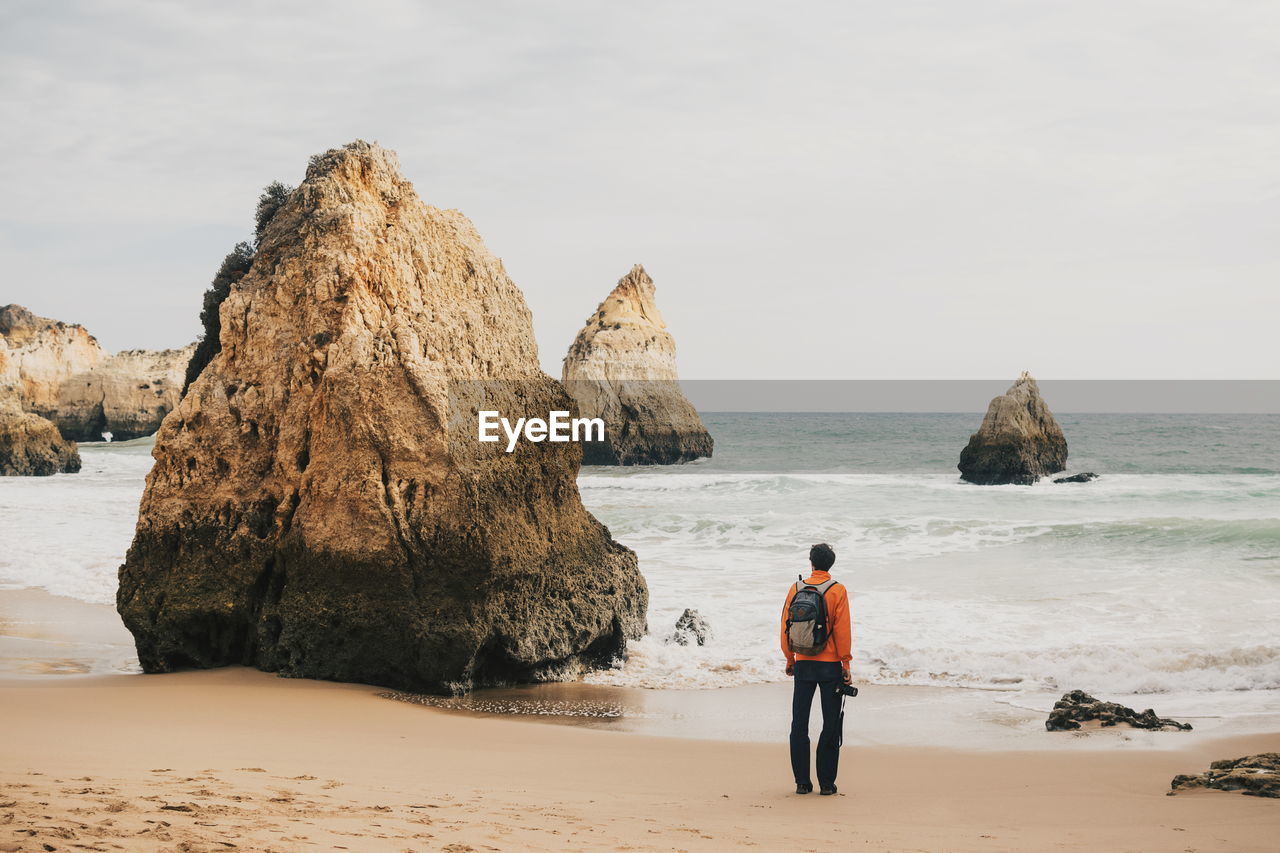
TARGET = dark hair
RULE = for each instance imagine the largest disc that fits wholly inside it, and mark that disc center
(822, 557)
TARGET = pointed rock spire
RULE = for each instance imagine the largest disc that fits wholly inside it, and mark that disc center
(1019, 440)
(622, 368)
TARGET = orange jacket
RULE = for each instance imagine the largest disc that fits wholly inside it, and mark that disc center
(840, 642)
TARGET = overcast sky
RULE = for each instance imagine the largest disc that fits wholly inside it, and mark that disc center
(820, 190)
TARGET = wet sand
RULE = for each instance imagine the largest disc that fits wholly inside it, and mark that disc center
(50, 635)
(880, 715)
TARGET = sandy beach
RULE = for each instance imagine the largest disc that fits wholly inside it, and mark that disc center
(237, 759)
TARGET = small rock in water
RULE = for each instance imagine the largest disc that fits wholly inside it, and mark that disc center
(1078, 478)
(691, 627)
(1253, 775)
(1076, 706)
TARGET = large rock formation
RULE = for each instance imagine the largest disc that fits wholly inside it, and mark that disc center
(1019, 441)
(622, 368)
(30, 445)
(320, 505)
(59, 371)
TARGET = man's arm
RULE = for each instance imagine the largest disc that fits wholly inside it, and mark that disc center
(842, 629)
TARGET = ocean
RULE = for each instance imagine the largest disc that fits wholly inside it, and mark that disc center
(1160, 578)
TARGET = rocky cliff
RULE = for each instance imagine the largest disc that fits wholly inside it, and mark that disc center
(59, 372)
(1019, 440)
(127, 395)
(622, 368)
(31, 445)
(319, 504)
(38, 354)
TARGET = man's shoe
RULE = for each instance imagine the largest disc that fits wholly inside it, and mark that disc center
(804, 789)
(827, 790)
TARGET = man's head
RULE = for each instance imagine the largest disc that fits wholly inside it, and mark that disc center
(821, 557)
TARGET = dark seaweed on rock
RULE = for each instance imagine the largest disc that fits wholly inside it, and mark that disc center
(1253, 775)
(1076, 707)
(1086, 477)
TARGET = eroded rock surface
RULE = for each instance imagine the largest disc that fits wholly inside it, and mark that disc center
(622, 368)
(1253, 775)
(1019, 440)
(1076, 707)
(59, 371)
(319, 504)
(38, 354)
(127, 395)
(31, 446)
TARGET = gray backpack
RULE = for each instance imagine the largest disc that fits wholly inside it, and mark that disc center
(807, 629)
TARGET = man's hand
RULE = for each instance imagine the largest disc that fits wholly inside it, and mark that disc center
(846, 676)
(791, 669)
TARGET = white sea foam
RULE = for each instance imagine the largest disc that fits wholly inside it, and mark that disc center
(68, 533)
(1132, 584)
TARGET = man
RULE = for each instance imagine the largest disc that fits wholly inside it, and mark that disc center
(823, 668)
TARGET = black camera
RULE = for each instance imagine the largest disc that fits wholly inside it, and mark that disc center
(846, 690)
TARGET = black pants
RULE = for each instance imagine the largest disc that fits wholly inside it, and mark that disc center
(823, 676)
